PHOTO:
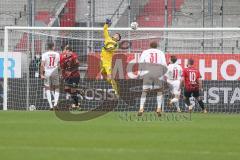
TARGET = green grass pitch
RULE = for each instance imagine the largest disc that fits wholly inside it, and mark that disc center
(41, 135)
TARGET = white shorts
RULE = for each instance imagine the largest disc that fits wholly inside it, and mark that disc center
(51, 80)
(174, 86)
(153, 79)
(152, 83)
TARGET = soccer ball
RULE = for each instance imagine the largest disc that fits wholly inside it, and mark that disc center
(134, 25)
(31, 108)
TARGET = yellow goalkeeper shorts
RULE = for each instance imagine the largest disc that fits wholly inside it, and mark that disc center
(106, 69)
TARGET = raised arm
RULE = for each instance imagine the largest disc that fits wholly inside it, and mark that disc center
(105, 31)
(105, 28)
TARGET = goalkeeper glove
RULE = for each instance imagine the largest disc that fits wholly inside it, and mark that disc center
(108, 21)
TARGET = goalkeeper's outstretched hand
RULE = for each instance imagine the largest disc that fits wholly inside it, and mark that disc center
(108, 21)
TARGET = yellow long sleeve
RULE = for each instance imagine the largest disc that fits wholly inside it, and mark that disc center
(109, 47)
(105, 31)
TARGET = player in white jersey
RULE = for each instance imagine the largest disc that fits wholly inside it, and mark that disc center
(173, 76)
(153, 78)
(50, 74)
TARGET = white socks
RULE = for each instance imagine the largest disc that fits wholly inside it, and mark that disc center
(159, 100)
(176, 102)
(49, 98)
(56, 97)
(142, 100)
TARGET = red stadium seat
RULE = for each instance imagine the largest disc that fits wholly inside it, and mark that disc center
(68, 18)
(43, 16)
(153, 15)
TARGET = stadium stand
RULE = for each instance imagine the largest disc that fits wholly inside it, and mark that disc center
(148, 13)
(115, 10)
(11, 15)
(191, 15)
(153, 15)
(46, 10)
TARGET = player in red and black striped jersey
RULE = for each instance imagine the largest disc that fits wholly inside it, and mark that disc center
(191, 79)
(69, 64)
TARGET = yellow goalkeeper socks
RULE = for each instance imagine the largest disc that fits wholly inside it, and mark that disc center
(114, 85)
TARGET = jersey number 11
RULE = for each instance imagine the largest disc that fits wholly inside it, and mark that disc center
(51, 62)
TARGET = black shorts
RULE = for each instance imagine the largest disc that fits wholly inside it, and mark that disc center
(72, 82)
(189, 94)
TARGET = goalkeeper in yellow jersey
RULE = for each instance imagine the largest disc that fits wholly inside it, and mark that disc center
(108, 50)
